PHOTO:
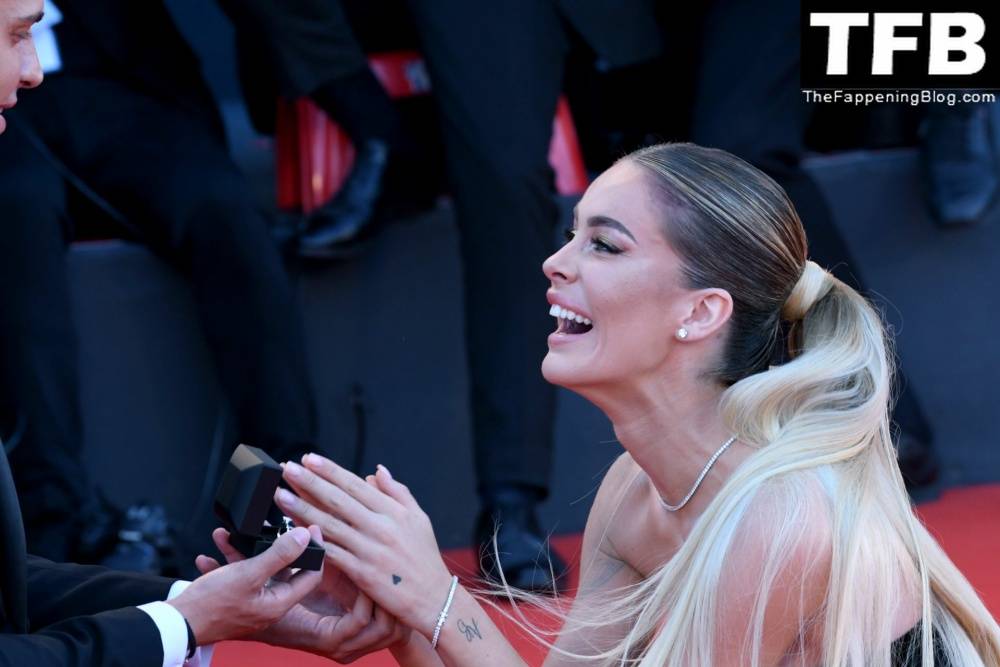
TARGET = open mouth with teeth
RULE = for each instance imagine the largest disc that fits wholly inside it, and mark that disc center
(570, 322)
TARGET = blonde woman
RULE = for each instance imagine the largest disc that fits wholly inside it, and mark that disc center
(757, 516)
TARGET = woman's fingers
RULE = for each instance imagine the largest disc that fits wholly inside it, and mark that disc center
(362, 609)
(302, 491)
(350, 483)
(397, 491)
(332, 528)
(325, 495)
(357, 623)
(344, 561)
(334, 535)
(382, 631)
(350, 625)
(369, 640)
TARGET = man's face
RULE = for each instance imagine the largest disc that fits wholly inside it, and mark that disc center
(19, 66)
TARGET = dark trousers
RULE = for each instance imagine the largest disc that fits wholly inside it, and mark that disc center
(748, 101)
(290, 49)
(497, 72)
(170, 175)
(303, 44)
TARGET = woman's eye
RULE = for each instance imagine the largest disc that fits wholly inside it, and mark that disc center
(604, 246)
(597, 242)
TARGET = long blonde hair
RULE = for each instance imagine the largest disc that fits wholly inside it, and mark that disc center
(819, 420)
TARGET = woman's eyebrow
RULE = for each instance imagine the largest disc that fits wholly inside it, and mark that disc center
(604, 221)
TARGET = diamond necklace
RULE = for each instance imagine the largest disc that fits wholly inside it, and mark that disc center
(704, 471)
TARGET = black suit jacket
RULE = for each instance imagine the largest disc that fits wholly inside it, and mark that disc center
(138, 42)
(294, 46)
(622, 32)
(59, 615)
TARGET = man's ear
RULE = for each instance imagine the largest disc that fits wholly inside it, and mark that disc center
(710, 310)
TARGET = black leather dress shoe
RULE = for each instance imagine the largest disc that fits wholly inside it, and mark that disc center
(144, 543)
(137, 539)
(521, 549)
(350, 212)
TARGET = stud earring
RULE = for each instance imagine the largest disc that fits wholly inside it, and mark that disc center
(682, 333)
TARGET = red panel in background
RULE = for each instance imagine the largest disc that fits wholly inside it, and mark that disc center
(401, 73)
(564, 153)
(313, 155)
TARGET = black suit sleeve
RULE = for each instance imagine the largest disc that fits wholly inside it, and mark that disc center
(58, 591)
(120, 638)
(84, 615)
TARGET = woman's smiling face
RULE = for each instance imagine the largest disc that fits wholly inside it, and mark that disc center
(617, 271)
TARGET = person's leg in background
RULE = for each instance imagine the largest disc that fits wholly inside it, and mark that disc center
(168, 171)
(192, 208)
(496, 71)
(308, 49)
(753, 107)
(39, 403)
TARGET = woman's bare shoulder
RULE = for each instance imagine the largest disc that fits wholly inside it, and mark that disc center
(781, 558)
(620, 497)
(794, 511)
(602, 564)
(616, 489)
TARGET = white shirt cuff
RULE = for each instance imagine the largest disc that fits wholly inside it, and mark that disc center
(173, 632)
(177, 588)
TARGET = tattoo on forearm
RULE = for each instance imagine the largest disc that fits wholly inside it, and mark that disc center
(396, 579)
(470, 631)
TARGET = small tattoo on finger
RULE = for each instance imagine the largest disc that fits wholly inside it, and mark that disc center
(396, 579)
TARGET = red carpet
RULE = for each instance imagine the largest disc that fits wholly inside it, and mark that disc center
(967, 524)
(966, 521)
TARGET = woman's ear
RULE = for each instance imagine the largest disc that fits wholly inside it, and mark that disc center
(710, 310)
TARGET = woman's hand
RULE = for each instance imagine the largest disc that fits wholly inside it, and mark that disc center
(376, 534)
(335, 620)
(242, 598)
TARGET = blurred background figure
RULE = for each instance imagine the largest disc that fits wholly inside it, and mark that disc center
(308, 49)
(496, 74)
(960, 155)
(497, 71)
(126, 134)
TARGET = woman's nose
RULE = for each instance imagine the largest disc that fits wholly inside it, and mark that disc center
(558, 267)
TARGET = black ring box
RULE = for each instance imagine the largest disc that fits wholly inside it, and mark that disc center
(245, 501)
